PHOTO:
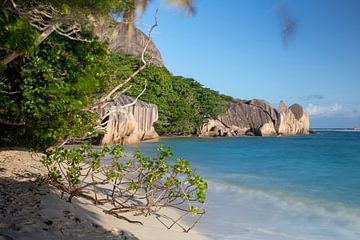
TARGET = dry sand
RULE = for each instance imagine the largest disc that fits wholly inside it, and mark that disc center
(28, 211)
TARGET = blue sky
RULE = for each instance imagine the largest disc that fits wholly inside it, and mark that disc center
(236, 48)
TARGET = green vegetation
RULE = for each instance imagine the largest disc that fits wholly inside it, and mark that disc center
(141, 184)
(68, 18)
(43, 95)
(12, 27)
(46, 90)
(183, 103)
(46, 94)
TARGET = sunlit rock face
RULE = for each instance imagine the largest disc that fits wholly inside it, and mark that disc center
(302, 117)
(129, 124)
(291, 121)
(268, 129)
(247, 114)
(257, 117)
(123, 41)
(133, 124)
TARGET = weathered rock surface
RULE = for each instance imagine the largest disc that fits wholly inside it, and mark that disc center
(268, 129)
(123, 41)
(292, 120)
(215, 128)
(302, 117)
(257, 117)
(132, 124)
(129, 124)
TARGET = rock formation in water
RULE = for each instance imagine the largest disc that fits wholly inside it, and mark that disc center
(257, 117)
(123, 41)
(133, 124)
(129, 124)
(292, 120)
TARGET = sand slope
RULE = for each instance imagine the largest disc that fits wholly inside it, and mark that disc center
(28, 211)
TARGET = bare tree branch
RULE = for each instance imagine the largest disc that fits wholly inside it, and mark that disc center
(9, 93)
(145, 63)
(43, 18)
(12, 123)
(119, 108)
(109, 97)
(149, 36)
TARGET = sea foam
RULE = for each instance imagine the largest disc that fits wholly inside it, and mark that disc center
(249, 213)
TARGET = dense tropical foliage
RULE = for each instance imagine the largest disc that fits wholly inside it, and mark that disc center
(183, 102)
(43, 96)
(50, 81)
(64, 17)
(44, 91)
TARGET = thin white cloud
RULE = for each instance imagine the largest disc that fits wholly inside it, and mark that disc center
(332, 110)
(313, 97)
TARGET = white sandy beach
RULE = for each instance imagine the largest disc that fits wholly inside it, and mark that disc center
(31, 212)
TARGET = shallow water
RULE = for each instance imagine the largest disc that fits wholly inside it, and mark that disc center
(303, 187)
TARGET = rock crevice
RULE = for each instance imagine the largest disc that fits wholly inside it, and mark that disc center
(129, 124)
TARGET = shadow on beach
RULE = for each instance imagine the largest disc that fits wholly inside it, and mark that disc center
(28, 211)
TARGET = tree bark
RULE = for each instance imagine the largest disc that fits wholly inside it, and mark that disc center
(9, 58)
(12, 123)
(12, 56)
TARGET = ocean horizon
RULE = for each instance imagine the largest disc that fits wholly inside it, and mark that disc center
(274, 188)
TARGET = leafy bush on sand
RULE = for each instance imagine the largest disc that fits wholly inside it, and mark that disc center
(138, 184)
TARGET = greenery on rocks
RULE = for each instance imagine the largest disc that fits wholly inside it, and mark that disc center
(45, 91)
(183, 102)
(45, 87)
(137, 183)
(50, 80)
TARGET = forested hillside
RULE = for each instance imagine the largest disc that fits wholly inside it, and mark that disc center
(183, 102)
(45, 91)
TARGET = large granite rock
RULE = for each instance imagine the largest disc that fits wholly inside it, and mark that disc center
(216, 128)
(247, 114)
(302, 117)
(125, 41)
(286, 122)
(130, 124)
(257, 117)
(267, 129)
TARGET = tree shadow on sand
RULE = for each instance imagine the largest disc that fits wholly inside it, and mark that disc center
(28, 211)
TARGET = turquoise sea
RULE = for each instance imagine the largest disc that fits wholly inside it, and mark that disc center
(291, 188)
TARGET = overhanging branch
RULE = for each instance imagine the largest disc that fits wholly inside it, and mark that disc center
(145, 64)
(12, 123)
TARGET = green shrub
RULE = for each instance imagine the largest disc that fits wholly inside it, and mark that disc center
(137, 183)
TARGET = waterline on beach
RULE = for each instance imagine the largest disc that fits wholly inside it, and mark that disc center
(302, 187)
(249, 213)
